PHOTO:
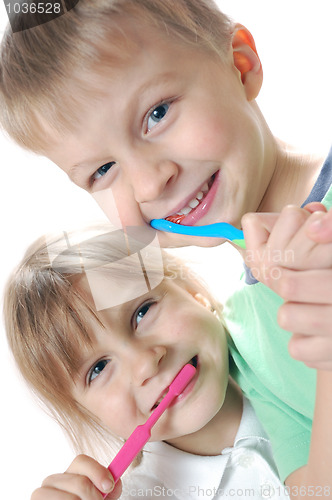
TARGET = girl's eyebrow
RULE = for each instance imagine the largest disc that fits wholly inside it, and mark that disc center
(83, 365)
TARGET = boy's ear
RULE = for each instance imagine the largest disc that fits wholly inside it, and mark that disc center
(247, 62)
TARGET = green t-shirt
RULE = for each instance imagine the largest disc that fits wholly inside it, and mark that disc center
(281, 390)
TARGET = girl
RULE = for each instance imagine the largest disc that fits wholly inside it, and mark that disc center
(99, 338)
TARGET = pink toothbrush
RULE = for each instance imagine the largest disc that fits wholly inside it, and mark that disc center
(142, 433)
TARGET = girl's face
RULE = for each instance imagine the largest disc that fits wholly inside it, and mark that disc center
(143, 346)
(175, 132)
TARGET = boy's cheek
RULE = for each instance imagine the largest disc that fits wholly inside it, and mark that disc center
(106, 201)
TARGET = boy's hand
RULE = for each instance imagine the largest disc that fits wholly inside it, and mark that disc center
(321, 229)
(85, 479)
(282, 256)
(281, 240)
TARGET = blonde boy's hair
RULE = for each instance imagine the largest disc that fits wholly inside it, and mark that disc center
(48, 319)
(46, 71)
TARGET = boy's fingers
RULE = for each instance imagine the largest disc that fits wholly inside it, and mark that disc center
(312, 287)
(320, 228)
(315, 206)
(99, 475)
(257, 228)
(306, 253)
(319, 365)
(311, 350)
(307, 319)
(289, 222)
(275, 230)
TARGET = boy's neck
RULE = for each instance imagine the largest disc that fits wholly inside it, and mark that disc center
(292, 180)
(220, 432)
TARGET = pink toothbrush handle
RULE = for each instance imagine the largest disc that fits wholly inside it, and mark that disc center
(142, 433)
(129, 451)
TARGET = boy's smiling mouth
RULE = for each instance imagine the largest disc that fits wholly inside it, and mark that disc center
(195, 208)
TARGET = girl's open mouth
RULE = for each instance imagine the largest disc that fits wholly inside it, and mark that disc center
(194, 362)
(196, 207)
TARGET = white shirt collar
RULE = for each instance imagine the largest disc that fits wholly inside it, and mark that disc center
(187, 474)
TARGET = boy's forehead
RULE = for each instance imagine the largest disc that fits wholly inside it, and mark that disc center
(148, 58)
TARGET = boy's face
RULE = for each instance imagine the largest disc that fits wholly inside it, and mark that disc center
(174, 133)
(143, 346)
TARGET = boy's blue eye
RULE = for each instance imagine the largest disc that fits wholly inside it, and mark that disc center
(103, 170)
(157, 115)
(97, 369)
(141, 312)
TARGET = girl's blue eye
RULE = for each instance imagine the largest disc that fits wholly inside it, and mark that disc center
(157, 115)
(97, 369)
(103, 170)
(141, 312)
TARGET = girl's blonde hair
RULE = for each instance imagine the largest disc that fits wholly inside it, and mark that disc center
(45, 71)
(48, 317)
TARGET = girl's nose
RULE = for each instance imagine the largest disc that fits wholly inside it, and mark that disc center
(146, 364)
(149, 178)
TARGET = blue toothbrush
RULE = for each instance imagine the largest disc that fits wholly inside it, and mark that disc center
(217, 230)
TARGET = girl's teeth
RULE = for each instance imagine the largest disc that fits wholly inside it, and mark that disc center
(205, 188)
(200, 195)
(193, 203)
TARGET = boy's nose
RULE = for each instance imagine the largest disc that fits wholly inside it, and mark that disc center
(149, 178)
(145, 364)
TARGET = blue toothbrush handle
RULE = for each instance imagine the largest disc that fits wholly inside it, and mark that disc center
(217, 230)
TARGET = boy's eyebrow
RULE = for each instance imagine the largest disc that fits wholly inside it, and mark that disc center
(144, 89)
(75, 170)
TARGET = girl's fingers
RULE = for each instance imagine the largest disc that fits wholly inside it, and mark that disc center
(100, 476)
(45, 493)
(116, 493)
(84, 479)
(80, 487)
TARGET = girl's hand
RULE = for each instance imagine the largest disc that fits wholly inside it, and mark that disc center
(84, 479)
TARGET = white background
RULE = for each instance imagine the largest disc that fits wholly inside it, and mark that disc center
(293, 38)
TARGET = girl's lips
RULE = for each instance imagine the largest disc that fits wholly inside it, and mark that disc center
(194, 361)
(202, 207)
(187, 390)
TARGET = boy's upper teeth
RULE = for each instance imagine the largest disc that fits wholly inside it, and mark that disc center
(195, 201)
